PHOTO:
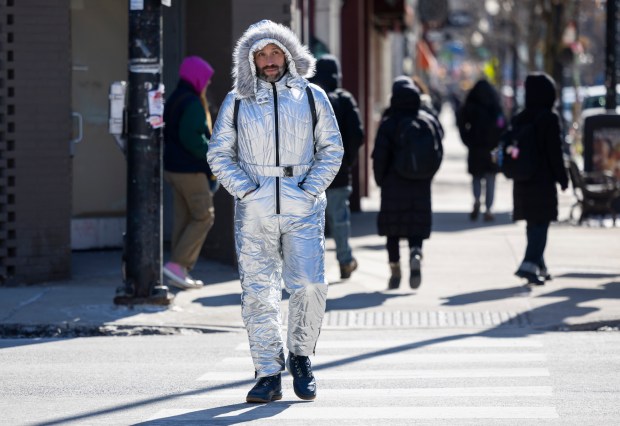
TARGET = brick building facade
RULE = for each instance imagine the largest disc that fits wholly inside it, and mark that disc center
(35, 133)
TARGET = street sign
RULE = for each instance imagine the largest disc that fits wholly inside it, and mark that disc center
(460, 19)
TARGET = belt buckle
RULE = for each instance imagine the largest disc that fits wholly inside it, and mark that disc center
(288, 171)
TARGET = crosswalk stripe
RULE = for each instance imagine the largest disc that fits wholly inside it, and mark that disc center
(474, 391)
(410, 358)
(469, 342)
(276, 411)
(383, 374)
(461, 360)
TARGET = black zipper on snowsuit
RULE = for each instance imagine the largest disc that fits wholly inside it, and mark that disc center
(275, 113)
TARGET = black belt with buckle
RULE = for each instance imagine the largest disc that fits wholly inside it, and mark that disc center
(288, 171)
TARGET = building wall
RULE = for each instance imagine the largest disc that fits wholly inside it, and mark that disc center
(327, 24)
(99, 183)
(356, 57)
(35, 134)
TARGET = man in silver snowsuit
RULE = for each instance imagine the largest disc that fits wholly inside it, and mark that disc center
(276, 156)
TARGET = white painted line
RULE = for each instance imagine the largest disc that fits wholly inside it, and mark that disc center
(391, 412)
(361, 394)
(276, 411)
(409, 358)
(366, 375)
(469, 342)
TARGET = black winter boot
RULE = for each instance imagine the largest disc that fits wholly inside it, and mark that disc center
(475, 211)
(415, 265)
(394, 281)
(531, 272)
(304, 384)
(266, 389)
(346, 269)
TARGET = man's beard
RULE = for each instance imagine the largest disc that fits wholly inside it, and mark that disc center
(270, 79)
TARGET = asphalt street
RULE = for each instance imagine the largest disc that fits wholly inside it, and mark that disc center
(365, 377)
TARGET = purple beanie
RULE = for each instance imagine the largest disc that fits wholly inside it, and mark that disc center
(196, 71)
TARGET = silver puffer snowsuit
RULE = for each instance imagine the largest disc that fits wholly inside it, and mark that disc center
(279, 228)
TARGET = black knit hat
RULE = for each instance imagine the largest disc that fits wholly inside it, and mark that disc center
(539, 90)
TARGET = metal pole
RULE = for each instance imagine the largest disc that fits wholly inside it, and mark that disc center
(515, 66)
(611, 73)
(143, 239)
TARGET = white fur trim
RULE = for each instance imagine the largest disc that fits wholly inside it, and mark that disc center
(300, 61)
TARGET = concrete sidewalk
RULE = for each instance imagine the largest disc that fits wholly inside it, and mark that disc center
(467, 277)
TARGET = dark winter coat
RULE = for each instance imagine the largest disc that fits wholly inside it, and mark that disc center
(480, 122)
(328, 77)
(186, 134)
(405, 204)
(536, 200)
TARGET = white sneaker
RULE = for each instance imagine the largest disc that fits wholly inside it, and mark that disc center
(197, 283)
(178, 277)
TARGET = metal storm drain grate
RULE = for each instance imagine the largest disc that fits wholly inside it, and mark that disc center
(430, 319)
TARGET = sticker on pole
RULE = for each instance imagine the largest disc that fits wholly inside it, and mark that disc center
(156, 107)
(136, 5)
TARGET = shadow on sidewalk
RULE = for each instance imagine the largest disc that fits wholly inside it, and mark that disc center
(364, 224)
(360, 300)
(459, 221)
(553, 316)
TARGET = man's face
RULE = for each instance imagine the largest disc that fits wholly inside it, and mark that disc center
(269, 63)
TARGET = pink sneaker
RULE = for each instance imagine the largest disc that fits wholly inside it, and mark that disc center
(177, 276)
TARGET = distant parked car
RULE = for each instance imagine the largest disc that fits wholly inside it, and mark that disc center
(594, 97)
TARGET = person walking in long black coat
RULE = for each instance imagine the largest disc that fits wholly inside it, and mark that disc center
(405, 204)
(480, 121)
(536, 200)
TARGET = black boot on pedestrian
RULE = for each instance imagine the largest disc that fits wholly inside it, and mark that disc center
(394, 281)
(300, 368)
(266, 389)
(415, 262)
(475, 211)
(544, 273)
(531, 273)
(346, 269)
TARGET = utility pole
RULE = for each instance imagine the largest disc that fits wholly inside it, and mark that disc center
(142, 251)
(514, 50)
(611, 51)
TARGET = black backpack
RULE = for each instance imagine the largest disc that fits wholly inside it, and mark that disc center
(418, 152)
(517, 152)
(349, 124)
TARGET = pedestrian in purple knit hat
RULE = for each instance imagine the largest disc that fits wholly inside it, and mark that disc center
(186, 136)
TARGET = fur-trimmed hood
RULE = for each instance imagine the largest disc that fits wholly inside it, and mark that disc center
(300, 62)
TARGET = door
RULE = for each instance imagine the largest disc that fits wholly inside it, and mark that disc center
(99, 54)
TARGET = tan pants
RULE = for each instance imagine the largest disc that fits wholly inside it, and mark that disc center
(193, 215)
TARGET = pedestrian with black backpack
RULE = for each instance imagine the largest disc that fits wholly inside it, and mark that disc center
(480, 122)
(535, 194)
(406, 156)
(338, 212)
